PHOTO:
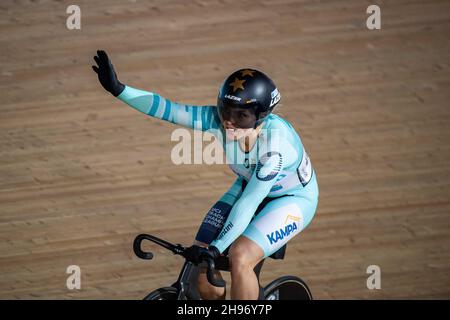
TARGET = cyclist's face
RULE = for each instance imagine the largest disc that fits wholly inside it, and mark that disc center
(237, 118)
(237, 122)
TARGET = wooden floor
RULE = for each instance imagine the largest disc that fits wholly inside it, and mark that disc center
(81, 174)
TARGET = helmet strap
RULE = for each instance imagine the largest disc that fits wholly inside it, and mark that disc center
(257, 119)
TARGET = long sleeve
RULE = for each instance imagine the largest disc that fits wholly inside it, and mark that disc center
(262, 180)
(194, 117)
(230, 197)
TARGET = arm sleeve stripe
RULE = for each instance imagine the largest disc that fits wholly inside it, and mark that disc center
(155, 105)
(167, 110)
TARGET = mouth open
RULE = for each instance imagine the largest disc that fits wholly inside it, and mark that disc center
(236, 133)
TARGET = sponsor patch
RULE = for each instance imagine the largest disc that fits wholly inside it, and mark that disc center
(291, 224)
(267, 174)
(225, 230)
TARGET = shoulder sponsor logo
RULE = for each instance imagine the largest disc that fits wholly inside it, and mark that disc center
(281, 233)
(261, 174)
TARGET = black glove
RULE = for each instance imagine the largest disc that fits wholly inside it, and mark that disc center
(196, 254)
(106, 74)
(213, 252)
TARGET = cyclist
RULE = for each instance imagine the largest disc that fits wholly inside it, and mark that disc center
(275, 194)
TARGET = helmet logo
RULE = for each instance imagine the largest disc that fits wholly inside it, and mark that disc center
(237, 84)
(247, 72)
(275, 97)
(229, 96)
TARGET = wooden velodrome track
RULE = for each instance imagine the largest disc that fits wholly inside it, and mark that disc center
(81, 174)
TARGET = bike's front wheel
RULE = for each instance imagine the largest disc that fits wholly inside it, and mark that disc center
(166, 293)
(287, 288)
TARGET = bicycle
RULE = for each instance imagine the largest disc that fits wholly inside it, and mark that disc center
(283, 288)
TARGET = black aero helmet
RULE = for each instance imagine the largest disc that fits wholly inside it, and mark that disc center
(248, 89)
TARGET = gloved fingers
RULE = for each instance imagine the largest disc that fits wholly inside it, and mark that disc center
(95, 68)
(97, 60)
(206, 254)
(103, 56)
(111, 69)
(104, 60)
(214, 251)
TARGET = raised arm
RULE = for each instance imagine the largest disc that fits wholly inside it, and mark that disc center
(152, 104)
(194, 117)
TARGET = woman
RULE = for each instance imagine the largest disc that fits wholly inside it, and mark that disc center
(275, 194)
